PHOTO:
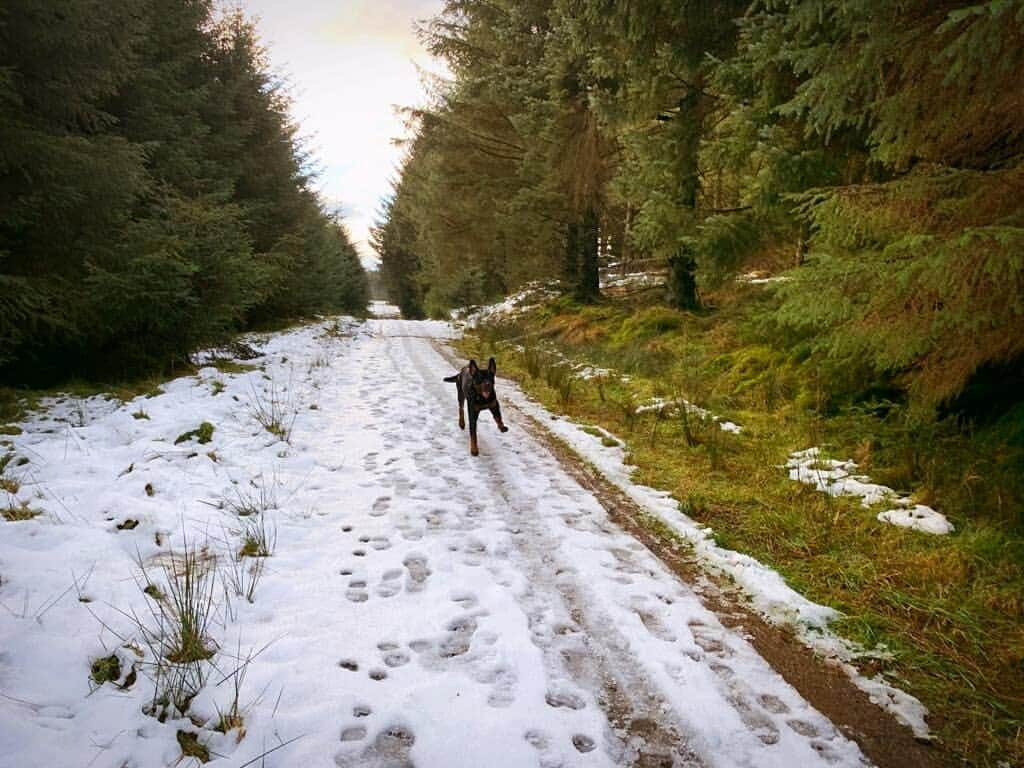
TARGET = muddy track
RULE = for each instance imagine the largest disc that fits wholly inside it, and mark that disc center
(824, 685)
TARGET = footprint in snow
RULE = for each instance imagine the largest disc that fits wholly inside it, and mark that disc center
(355, 733)
(388, 589)
(583, 743)
(420, 646)
(395, 658)
(418, 571)
(390, 749)
(773, 704)
(465, 599)
(564, 699)
(503, 691)
(653, 621)
(803, 728)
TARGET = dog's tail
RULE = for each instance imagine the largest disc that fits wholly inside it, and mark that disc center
(453, 377)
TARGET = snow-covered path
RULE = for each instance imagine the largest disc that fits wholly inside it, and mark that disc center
(421, 607)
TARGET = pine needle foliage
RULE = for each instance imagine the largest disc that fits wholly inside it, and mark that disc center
(154, 193)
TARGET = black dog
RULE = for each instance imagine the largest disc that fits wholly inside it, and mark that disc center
(477, 386)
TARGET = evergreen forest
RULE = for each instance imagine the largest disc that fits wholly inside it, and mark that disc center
(870, 150)
(154, 193)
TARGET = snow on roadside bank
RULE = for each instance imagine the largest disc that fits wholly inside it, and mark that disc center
(836, 478)
(659, 404)
(529, 297)
(120, 484)
(767, 590)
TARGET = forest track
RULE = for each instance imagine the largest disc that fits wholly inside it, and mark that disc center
(421, 608)
(616, 634)
(886, 742)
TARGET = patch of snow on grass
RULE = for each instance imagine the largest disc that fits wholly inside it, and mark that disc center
(758, 277)
(918, 517)
(836, 477)
(660, 404)
(633, 280)
(526, 298)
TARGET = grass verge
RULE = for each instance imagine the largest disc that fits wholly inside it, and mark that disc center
(950, 610)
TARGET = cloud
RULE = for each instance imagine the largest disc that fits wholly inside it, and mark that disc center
(350, 64)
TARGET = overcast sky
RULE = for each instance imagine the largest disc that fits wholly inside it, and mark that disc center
(350, 62)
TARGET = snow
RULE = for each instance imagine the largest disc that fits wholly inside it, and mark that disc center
(765, 587)
(758, 277)
(919, 517)
(660, 404)
(633, 280)
(384, 309)
(419, 607)
(835, 477)
(527, 298)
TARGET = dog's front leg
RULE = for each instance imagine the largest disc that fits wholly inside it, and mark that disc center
(474, 414)
(496, 413)
(462, 418)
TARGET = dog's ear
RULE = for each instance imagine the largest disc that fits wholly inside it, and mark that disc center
(492, 366)
(472, 367)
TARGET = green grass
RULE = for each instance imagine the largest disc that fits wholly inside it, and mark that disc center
(153, 591)
(15, 404)
(202, 434)
(950, 609)
(258, 538)
(106, 669)
(231, 366)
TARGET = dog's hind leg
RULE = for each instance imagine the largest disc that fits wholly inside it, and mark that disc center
(496, 413)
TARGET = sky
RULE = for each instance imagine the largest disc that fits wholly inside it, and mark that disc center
(350, 62)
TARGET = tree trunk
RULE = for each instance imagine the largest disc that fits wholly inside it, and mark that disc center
(571, 266)
(588, 286)
(682, 279)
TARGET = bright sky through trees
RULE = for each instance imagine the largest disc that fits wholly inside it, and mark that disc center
(350, 63)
